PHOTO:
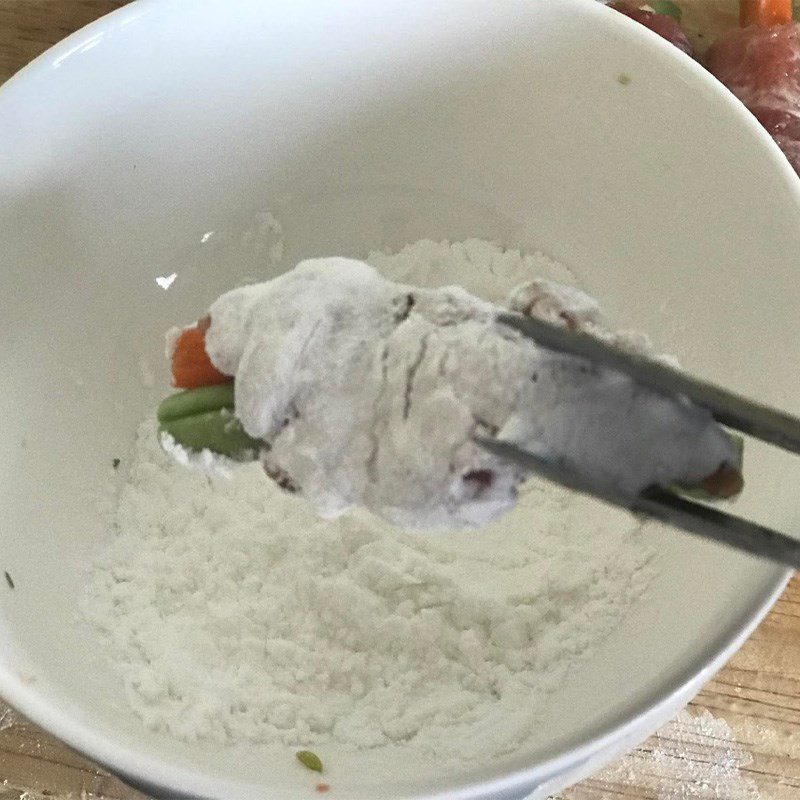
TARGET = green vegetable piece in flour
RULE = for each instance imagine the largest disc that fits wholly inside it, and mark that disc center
(203, 419)
(218, 431)
(310, 760)
(196, 401)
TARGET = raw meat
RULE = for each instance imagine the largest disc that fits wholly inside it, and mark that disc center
(662, 24)
(761, 66)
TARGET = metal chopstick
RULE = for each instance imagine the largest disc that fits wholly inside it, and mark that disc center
(665, 506)
(728, 408)
(735, 411)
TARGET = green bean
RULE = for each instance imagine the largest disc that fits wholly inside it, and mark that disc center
(218, 431)
(196, 401)
(203, 419)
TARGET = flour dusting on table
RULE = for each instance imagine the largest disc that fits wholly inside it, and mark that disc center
(235, 614)
(693, 757)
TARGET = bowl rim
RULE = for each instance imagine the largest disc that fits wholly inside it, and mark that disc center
(635, 721)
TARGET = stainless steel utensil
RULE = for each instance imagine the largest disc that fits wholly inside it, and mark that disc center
(732, 410)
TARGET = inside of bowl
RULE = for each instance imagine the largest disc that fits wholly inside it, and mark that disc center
(377, 127)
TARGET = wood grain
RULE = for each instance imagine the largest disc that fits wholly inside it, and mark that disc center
(757, 694)
(29, 27)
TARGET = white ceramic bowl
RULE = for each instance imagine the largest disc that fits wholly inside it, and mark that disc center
(360, 124)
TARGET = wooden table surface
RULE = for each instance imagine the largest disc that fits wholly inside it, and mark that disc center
(738, 740)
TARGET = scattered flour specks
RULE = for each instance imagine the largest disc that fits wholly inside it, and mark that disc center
(693, 757)
(266, 233)
(8, 718)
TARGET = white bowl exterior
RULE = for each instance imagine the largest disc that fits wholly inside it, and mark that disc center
(364, 124)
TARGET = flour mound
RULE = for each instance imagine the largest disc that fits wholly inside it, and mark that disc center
(237, 614)
(234, 614)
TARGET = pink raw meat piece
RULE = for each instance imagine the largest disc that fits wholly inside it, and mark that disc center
(761, 66)
(662, 24)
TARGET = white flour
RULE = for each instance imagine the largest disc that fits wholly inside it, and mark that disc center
(693, 757)
(235, 614)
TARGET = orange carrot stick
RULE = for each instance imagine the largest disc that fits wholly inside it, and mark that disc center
(191, 366)
(764, 13)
